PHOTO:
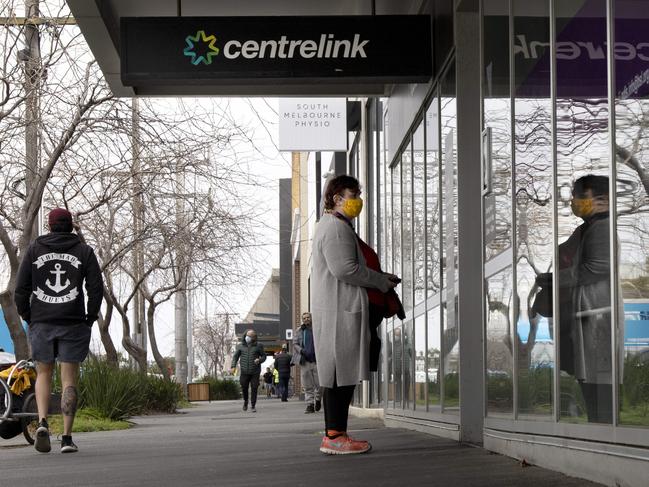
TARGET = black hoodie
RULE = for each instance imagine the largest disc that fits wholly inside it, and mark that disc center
(50, 278)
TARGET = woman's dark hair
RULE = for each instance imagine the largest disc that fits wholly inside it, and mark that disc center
(597, 184)
(337, 186)
(61, 227)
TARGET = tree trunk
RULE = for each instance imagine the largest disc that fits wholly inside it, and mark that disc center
(106, 340)
(159, 359)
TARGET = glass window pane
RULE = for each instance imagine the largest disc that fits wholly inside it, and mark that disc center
(408, 365)
(499, 360)
(397, 364)
(497, 116)
(583, 150)
(433, 356)
(433, 262)
(397, 224)
(406, 225)
(390, 362)
(420, 362)
(450, 351)
(451, 357)
(632, 150)
(387, 225)
(419, 214)
(533, 179)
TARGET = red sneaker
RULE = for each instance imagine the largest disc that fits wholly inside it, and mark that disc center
(344, 445)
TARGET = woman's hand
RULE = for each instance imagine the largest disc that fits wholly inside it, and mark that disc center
(393, 280)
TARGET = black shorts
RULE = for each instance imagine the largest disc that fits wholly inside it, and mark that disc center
(65, 343)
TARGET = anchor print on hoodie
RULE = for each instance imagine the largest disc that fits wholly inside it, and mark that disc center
(49, 286)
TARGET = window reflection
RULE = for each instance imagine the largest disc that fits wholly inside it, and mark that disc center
(406, 227)
(448, 140)
(408, 365)
(433, 281)
(632, 151)
(433, 356)
(499, 361)
(420, 362)
(497, 116)
(419, 207)
(583, 149)
(397, 365)
(533, 200)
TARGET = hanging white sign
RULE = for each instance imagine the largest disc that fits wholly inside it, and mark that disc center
(313, 124)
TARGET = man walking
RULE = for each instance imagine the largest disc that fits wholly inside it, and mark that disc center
(283, 366)
(252, 355)
(49, 297)
(304, 356)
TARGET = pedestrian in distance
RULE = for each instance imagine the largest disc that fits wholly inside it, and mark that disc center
(341, 276)
(268, 382)
(283, 366)
(276, 382)
(250, 355)
(50, 298)
(304, 356)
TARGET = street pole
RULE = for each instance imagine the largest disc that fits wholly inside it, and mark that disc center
(190, 334)
(181, 295)
(139, 317)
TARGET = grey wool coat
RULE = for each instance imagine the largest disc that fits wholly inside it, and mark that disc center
(339, 305)
(588, 280)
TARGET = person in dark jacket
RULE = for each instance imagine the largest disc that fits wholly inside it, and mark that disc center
(50, 298)
(283, 366)
(250, 355)
(268, 382)
(304, 356)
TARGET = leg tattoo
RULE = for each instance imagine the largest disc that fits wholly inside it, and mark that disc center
(69, 401)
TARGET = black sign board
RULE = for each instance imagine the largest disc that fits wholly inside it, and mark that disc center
(209, 50)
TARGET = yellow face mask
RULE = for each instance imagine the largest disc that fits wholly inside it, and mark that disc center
(352, 207)
(582, 207)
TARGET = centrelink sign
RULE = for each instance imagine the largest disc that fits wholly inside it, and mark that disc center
(203, 50)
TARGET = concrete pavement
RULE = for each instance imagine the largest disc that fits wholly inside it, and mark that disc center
(217, 444)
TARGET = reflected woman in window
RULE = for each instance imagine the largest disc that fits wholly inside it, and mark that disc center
(585, 286)
(344, 273)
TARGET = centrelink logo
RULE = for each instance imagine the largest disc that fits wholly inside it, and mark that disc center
(201, 48)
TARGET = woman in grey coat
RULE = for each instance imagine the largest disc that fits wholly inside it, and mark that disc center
(340, 279)
(585, 286)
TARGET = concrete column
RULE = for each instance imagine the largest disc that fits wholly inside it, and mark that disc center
(470, 313)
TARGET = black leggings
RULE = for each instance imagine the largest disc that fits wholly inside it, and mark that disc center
(599, 402)
(253, 380)
(336, 401)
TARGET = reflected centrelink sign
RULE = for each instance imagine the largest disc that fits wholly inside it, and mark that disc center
(174, 50)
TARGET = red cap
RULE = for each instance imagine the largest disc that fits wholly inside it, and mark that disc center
(59, 215)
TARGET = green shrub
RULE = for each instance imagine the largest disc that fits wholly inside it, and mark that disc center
(162, 395)
(636, 383)
(119, 393)
(222, 389)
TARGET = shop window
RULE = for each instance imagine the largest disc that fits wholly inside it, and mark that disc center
(497, 117)
(406, 227)
(419, 213)
(433, 200)
(433, 356)
(499, 353)
(449, 229)
(534, 337)
(583, 167)
(632, 152)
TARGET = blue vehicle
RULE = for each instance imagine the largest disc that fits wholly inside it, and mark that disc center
(5, 338)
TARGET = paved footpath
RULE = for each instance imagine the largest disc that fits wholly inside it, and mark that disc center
(217, 444)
